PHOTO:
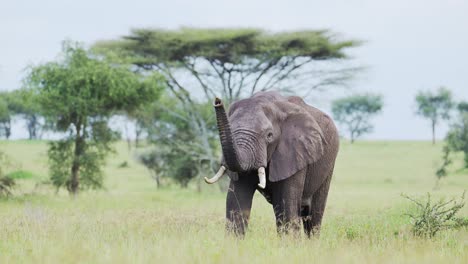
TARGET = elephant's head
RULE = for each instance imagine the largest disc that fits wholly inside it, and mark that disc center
(267, 131)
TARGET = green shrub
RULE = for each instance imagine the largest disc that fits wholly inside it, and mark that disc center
(352, 233)
(21, 174)
(6, 184)
(430, 217)
(461, 222)
(123, 164)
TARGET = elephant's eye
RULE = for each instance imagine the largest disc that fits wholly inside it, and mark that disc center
(270, 136)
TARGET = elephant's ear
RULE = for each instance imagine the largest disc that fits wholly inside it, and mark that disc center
(301, 143)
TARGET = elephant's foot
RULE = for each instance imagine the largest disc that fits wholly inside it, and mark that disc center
(289, 227)
(237, 223)
(311, 228)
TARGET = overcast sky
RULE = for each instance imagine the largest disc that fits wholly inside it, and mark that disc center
(409, 45)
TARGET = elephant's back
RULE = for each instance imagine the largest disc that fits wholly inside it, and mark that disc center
(325, 122)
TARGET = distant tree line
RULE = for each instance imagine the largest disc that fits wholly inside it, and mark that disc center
(355, 112)
(19, 104)
(438, 106)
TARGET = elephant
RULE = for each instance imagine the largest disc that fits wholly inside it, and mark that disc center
(283, 148)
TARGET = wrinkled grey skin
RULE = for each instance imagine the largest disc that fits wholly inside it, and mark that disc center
(296, 143)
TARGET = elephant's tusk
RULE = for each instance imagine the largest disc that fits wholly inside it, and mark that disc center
(217, 176)
(261, 178)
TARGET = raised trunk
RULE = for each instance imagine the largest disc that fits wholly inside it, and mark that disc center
(227, 142)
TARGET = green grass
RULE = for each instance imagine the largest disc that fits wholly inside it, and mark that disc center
(132, 222)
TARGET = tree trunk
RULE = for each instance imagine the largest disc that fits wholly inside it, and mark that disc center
(127, 134)
(158, 180)
(75, 170)
(8, 133)
(32, 127)
(156, 177)
(75, 177)
(433, 132)
(199, 177)
(199, 183)
(138, 132)
(466, 159)
(7, 129)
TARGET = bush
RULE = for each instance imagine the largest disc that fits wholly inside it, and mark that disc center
(123, 164)
(169, 163)
(431, 217)
(6, 184)
(352, 233)
(21, 175)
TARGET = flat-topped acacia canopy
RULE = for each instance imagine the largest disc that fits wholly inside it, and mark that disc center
(231, 62)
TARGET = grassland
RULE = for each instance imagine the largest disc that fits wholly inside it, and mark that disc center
(132, 222)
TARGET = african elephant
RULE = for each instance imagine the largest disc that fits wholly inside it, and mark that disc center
(290, 146)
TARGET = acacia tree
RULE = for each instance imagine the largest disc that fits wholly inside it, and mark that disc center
(176, 154)
(78, 94)
(354, 112)
(138, 117)
(457, 137)
(200, 64)
(23, 104)
(235, 62)
(456, 140)
(155, 163)
(434, 106)
(462, 108)
(5, 115)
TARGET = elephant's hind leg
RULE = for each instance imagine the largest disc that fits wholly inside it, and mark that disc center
(312, 216)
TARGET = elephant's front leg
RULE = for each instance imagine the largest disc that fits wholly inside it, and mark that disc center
(286, 201)
(239, 204)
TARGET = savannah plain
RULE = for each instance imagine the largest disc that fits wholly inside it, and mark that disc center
(131, 221)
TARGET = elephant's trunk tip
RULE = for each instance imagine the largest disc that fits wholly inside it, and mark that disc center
(217, 102)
